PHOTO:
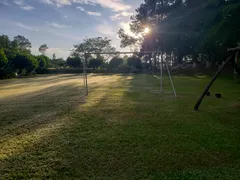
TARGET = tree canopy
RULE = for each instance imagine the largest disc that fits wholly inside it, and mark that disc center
(199, 29)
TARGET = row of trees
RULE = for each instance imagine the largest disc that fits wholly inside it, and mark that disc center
(16, 58)
(116, 63)
(196, 31)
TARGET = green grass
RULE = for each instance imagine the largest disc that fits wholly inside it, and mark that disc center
(125, 129)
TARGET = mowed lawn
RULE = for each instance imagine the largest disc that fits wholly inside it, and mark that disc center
(124, 129)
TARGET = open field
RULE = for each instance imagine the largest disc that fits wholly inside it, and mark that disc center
(126, 129)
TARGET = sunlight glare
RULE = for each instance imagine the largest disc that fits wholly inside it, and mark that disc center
(146, 30)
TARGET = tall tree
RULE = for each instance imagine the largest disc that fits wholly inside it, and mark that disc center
(43, 48)
(21, 43)
(54, 56)
(97, 44)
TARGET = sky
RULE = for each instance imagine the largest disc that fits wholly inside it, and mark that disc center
(63, 23)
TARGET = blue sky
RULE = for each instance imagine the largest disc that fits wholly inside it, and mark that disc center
(63, 23)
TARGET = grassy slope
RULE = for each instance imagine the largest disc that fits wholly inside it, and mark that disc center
(125, 130)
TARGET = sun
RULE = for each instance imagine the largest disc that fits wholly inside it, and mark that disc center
(146, 30)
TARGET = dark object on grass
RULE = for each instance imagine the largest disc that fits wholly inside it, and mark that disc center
(208, 94)
(229, 59)
(218, 95)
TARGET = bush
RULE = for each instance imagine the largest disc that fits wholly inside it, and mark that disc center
(124, 68)
(74, 62)
(95, 63)
(23, 62)
(3, 58)
(41, 61)
(115, 62)
(134, 62)
(7, 72)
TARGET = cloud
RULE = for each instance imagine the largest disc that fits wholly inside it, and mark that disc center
(106, 29)
(25, 26)
(115, 5)
(56, 25)
(4, 3)
(19, 2)
(94, 13)
(120, 15)
(27, 8)
(65, 16)
(81, 8)
(126, 27)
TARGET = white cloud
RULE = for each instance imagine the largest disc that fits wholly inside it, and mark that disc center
(81, 8)
(25, 26)
(94, 13)
(106, 29)
(115, 5)
(19, 2)
(120, 15)
(65, 16)
(56, 25)
(28, 8)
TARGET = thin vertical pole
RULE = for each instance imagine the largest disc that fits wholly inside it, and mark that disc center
(85, 74)
(161, 71)
(170, 77)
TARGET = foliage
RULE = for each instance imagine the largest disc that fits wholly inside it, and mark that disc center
(187, 28)
(42, 62)
(115, 62)
(73, 61)
(21, 43)
(23, 62)
(3, 58)
(97, 44)
(42, 49)
(95, 63)
(59, 62)
(135, 62)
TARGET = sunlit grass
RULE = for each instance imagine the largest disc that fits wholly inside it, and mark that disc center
(126, 129)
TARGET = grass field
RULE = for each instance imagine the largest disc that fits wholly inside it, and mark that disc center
(125, 129)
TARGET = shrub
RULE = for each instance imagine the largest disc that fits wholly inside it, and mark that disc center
(23, 62)
(134, 62)
(3, 58)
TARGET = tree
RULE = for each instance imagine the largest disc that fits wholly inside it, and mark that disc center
(95, 63)
(186, 29)
(24, 62)
(54, 56)
(115, 62)
(41, 61)
(135, 62)
(73, 61)
(97, 44)
(59, 62)
(5, 42)
(3, 59)
(42, 49)
(21, 43)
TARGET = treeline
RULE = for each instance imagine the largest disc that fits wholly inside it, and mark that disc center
(186, 31)
(16, 58)
(116, 64)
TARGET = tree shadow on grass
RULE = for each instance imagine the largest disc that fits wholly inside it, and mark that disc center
(124, 133)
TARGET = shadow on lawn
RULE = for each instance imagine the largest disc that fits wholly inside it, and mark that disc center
(125, 132)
